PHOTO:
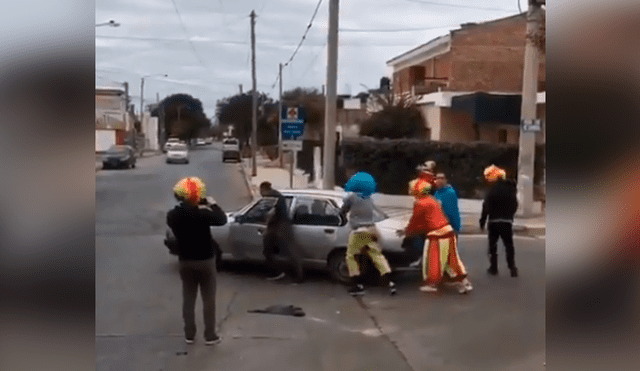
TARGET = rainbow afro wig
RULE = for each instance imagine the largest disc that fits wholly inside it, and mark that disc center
(419, 187)
(191, 189)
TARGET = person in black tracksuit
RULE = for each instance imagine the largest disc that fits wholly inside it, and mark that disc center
(197, 251)
(278, 238)
(499, 207)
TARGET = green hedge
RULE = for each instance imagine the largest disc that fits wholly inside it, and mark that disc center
(393, 162)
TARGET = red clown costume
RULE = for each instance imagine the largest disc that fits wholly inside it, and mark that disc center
(440, 261)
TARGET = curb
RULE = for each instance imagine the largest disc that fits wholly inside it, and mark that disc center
(247, 179)
(517, 230)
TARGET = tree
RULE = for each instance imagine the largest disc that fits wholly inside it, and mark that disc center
(393, 118)
(183, 116)
(313, 103)
(237, 110)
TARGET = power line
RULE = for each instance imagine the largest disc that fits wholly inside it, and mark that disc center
(305, 33)
(313, 62)
(459, 5)
(195, 52)
(301, 41)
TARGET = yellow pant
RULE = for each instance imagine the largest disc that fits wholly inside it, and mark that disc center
(359, 240)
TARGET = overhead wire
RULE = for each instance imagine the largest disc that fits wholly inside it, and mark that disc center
(315, 12)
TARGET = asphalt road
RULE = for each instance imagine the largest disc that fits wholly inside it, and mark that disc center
(498, 326)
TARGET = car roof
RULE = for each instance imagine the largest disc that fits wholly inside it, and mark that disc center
(313, 193)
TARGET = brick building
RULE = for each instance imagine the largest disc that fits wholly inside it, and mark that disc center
(468, 83)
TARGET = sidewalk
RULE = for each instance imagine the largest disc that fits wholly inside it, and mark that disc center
(394, 205)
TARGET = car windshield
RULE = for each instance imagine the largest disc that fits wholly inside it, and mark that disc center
(179, 147)
(232, 142)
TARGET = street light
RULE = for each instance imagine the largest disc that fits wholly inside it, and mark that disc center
(142, 90)
(111, 23)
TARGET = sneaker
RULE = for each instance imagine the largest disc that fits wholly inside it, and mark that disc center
(392, 288)
(462, 289)
(514, 272)
(278, 277)
(428, 288)
(493, 271)
(356, 290)
(188, 341)
(467, 284)
(217, 339)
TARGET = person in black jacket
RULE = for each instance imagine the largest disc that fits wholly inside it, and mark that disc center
(197, 252)
(278, 238)
(499, 206)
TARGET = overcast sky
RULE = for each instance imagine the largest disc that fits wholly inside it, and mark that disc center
(204, 46)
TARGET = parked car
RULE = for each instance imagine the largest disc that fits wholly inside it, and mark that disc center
(231, 149)
(201, 142)
(119, 156)
(178, 153)
(319, 227)
(209, 140)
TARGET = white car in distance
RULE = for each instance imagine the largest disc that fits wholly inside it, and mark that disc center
(178, 153)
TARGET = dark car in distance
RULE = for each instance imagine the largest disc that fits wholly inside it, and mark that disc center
(119, 156)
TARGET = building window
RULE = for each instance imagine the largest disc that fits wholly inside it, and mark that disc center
(502, 136)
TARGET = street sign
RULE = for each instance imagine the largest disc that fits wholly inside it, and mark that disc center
(292, 145)
(292, 130)
(531, 125)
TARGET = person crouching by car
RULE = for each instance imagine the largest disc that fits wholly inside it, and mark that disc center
(197, 251)
(279, 239)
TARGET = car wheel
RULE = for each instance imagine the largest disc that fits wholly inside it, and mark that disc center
(105, 166)
(133, 166)
(337, 265)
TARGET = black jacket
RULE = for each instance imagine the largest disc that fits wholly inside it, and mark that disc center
(190, 224)
(500, 204)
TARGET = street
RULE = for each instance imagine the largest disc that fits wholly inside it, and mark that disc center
(500, 325)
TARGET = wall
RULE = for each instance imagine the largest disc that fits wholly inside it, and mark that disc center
(490, 57)
(431, 114)
(457, 127)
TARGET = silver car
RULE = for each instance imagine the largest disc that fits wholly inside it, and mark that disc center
(319, 228)
(178, 153)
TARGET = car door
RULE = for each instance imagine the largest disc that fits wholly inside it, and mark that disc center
(317, 227)
(247, 230)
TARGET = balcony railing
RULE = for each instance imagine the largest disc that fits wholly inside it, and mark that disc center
(429, 85)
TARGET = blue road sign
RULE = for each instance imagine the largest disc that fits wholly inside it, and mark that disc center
(292, 130)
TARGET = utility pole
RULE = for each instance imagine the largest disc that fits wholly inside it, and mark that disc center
(328, 179)
(254, 118)
(280, 122)
(526, 153)
(141, 95)
(126, 96)
(240, 89)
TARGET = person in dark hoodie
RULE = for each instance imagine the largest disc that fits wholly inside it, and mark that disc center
(499, 206)
(197, 252)
(278, 238)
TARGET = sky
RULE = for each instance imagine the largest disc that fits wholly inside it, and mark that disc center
(204, 47)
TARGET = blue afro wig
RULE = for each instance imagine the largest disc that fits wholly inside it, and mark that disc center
(362, 184)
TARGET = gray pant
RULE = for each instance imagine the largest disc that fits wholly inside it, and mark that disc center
(201, 273)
